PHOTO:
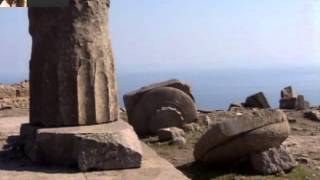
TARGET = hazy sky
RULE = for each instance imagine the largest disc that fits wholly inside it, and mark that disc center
(187, 34)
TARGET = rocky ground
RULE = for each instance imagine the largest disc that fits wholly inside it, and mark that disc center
(303, 143)
(14, 95)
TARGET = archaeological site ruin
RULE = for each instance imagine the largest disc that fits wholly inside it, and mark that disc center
(74, 107)
(68, 122)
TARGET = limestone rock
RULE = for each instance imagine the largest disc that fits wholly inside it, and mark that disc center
(313, 115)
(72, 79)
(251, 132)
(167, 134)
(159, 106)
(272, 161)
(96, 147)
(257, 100)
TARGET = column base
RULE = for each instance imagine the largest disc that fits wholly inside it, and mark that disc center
(97, 147)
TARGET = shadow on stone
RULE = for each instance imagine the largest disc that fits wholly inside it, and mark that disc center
(12, 158)
(198, 170)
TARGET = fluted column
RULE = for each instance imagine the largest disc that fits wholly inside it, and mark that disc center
(72, 66)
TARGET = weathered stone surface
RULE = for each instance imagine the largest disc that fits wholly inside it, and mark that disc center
(105, 146)
(302, 104)
(288, 103)
(313, 115)
(171, 133)
(152, 166)
(162, 107)
(288, 93)
(257, 100)
(252, 131)
(131, 99)
(72, 80)
(273, 160)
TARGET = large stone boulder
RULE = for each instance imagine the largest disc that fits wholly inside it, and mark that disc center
(239, 136)
(131, 98)
(162, 105)
(97, 147)
(257, 100)
(273, 160)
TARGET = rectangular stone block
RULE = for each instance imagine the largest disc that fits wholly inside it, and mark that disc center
(97, 147)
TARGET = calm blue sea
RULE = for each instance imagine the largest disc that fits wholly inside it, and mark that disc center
(216, 89)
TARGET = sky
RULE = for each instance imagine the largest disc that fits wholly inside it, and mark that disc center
(185, 35)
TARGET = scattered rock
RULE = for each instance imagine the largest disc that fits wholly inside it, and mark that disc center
(167, 134)
(179, 141)
(123, 109)
(162, 105)
(257, 100)
(292, 120)
(273, 161)
(303, 160)
(305, 149)
(291, 100)
(254, 131)
(191, 127)
(312, 115)
(5, 107)
(14, 95)
(235, 105)
(208, 121)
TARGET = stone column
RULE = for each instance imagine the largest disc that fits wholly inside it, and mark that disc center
(73, 83)
(72, 67)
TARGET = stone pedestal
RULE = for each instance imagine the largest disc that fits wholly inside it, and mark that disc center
(97, 147)
(73, 92)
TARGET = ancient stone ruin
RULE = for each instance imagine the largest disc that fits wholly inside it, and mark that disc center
(74, 107)
(244, 136)
(292, 100)
(257, 100)
(14, 95)
(162, 105)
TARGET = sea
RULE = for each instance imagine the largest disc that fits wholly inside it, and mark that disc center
(215, 89)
